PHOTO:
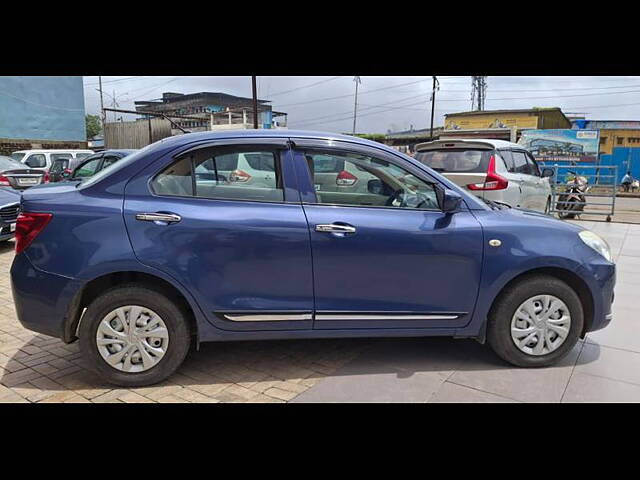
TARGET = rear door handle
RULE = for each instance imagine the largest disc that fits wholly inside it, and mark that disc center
(335, 228)
(158, 217)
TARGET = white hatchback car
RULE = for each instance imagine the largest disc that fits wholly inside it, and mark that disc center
(491, 169)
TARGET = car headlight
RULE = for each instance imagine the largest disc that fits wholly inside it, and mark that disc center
(597, 243)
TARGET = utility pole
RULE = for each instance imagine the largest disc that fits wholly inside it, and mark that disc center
(479, 91)
(355, 106)
(436, 86)
(255, 102)
(102, 113)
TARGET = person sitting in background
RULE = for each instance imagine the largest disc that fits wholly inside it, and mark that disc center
(627, 180)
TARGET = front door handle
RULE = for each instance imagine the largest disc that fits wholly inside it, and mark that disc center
(335, 228)
(158, 217)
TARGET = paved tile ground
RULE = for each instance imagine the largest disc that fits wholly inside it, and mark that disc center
(603, 368)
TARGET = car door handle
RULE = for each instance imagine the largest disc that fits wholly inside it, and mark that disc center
(158, 217)
(335, 228)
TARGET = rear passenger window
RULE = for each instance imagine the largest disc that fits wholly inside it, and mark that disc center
(508, 160)
(222, 173)
(520, 162)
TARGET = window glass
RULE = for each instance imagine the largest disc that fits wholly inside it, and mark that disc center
(456, 160)
(82, 155)
(56, 156)
(508, 159)
(367, 181)
(87, 169)
(18, 156)
(109, 161)
(520, 162)
(533, 166)
(223, 174)
(37, 160)
(59, 165)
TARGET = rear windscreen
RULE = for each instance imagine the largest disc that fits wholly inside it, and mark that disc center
(456, 160)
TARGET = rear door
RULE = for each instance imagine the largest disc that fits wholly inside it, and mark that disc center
(539, 185)
(530, 182)
(243, 251)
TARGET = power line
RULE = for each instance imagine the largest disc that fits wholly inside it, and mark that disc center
(304, 86)
(113, 81)
(349, 95)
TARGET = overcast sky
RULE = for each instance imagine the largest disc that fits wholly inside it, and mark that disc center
(385, 103)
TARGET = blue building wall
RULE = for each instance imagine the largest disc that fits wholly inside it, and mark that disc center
(627, 159)
(42, 108)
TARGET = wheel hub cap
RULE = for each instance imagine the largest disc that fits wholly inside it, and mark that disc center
(540, 325)
(132, 338)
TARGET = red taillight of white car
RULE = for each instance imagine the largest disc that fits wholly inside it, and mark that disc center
(45, 178)
(492, 181)
(346, 179)
(4, 181)
(28, 226)
(239, 176)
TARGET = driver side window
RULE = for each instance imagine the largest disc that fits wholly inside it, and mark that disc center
(351, 179)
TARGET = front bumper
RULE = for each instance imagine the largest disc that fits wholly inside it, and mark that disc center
(41, 299)
(600, 276)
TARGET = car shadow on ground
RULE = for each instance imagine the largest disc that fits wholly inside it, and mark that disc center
(7, 246)
(236, 371)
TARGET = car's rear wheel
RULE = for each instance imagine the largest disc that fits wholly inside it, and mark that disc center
(134, 336)
(535, 322)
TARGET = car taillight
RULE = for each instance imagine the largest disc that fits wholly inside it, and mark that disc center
(45, 179)
(492, 181)
(239, 176)
(28, 226)
(4, 181)
(346, 178)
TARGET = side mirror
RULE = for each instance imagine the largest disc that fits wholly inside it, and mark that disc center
(547, 172)
(448, 200)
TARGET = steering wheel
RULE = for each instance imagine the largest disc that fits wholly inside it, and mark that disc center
(412, 200)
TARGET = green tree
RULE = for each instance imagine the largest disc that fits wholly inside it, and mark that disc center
(93, 125)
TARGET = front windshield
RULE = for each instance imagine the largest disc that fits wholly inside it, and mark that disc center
(114, 167)
(18, 156)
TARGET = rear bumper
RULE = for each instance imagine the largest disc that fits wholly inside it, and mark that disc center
(41, 299)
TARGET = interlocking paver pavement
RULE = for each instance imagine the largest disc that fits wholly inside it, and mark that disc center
(38, 368)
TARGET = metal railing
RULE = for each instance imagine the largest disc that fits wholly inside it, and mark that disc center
(599, 198)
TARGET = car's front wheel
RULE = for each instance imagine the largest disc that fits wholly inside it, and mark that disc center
(535, 322)
(134, 336)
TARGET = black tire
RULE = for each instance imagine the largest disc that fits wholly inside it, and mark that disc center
(174, 317)
(503, 309)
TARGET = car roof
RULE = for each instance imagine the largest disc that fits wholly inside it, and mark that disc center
(268, 133)
(60, 150)
(471, 142)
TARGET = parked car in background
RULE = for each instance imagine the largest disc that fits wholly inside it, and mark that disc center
(9, 208)
(70, 168)
(163, 260)
(43, 159)
(492, 169)
(14, 174)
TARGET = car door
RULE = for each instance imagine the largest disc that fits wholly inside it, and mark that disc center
(540, 188)
(242, 251)
(523, 178)
(377, 263)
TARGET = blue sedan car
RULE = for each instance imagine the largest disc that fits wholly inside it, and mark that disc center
(165, 258)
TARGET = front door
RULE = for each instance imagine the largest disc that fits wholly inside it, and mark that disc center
(242, 250)
(384, 255)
